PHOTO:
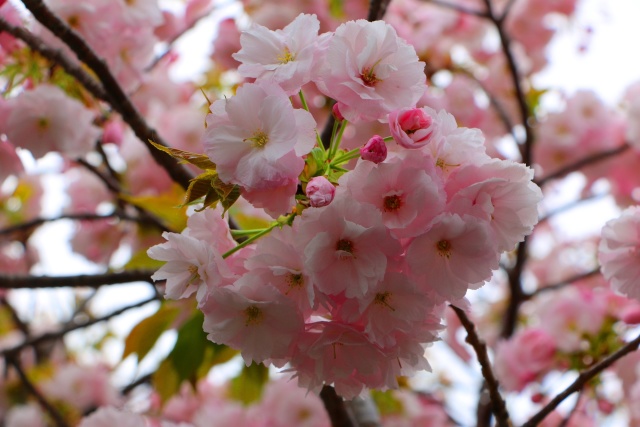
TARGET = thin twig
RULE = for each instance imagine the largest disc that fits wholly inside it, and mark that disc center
(570, 206)
(77, 281)
(498, 403)
(31, 388)
(117, 97)
(26, 226)
(582, 380)
(589, 160)
(563, 283)
(458, 8)
(138, 382)
(49, 336)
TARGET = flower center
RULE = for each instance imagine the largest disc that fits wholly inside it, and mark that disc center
(294, 281)
(259, 139)
(368, 77)
(253, 315)
(444, 248)
(345, 249)
(43, 123)
(392, 203)
(195, 276)
(286, 56)
(382, 298)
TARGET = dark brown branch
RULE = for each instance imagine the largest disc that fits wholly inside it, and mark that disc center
(566, 282)
(582, 380)
(26, 226)
(497, 402)
(505, 41)
(31, 388)
(459, 8)
(589, 160)
(117, 97)
(79, 281)
(377, 9)
(49, 336)
(145, 379)
(335, 407)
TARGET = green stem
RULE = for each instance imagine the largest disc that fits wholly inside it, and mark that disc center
(346, 157)
(335, 143)
(303, 101)
(338, 140)
(250, 240)
(238, 233)
(388, 138)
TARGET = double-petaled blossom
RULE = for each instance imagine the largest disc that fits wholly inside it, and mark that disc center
(256, 139)
(457, 253)
(285, 57)
(370, 71)
(407, 191)
(254, 317)
(346, 247)
(38, 120)
(619, 252)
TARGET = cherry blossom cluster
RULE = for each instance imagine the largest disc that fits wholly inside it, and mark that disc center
(348, 286)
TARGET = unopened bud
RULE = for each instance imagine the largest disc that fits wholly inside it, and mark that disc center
(375, 150)
(336, 112)
(320, 191)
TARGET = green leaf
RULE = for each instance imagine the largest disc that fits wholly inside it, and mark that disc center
(165, 380)
(196, 159)
(141, 261)
(198, 188)
(188, 353)
(165, 206)
(144, 335)
(247, 387)
(387, 404)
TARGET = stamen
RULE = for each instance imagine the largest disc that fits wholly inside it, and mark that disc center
(254, 315)
(444, 248)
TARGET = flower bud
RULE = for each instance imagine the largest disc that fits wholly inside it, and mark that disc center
(411, 127)
(375, 150)
(336, 112)
(320, 191)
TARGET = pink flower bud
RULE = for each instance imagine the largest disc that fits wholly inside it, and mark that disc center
(411, 127)
(375, 150)
(631, 315)
(113, 132)
(320, 191)
(336, 112)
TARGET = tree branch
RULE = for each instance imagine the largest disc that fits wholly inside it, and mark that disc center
(589, 160)
(336, 408)
(116, 96)
(79, 281)
(565, 282)
(377, 9)
(498, 403)
(26, 226)
(582, 380)
(31, 388)
(49, 336)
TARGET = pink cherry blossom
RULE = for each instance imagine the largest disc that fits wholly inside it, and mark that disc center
(375, 150)
(10, 163)
(457, 253)
(285, 57)
(192, 266)
(320, 191)
(407, 191)
(346, 247)
(109, 416)
(254, 317)
(39, 121)
(524, 358)
(370, 71)
(619, 252)
(500, 192)
(249, 134)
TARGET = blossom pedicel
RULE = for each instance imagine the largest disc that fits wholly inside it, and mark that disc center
(345, 289)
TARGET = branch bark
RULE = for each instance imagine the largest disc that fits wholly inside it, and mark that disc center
(79, 281)
(582, 380)
(498, 404)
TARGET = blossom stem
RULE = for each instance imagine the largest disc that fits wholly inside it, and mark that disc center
(303, 101)
(335, 138)
(237, 233)
(251, 239)
(346, 157)
(388, 138)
